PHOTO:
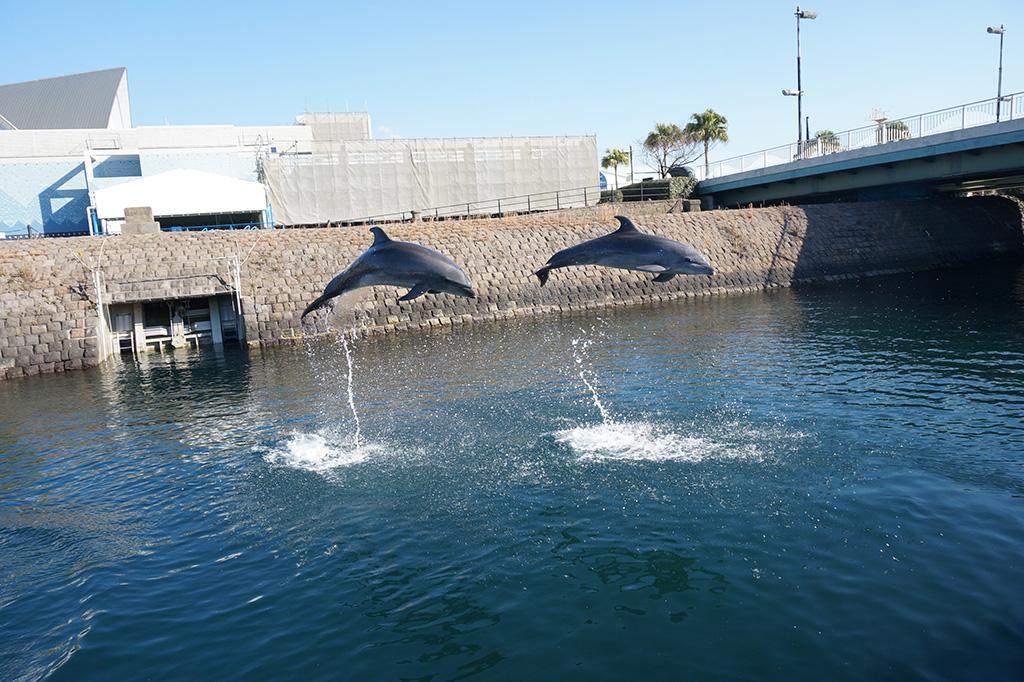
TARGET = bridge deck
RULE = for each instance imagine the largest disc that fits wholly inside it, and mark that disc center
(989, 151)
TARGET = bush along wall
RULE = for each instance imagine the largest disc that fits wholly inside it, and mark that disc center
(659, 190)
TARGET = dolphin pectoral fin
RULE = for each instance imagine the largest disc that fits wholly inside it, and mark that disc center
(433, 291)
(664, 277)
(415, 292)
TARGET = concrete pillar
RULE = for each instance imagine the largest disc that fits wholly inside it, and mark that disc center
(138, 329)
(139, 220)
(218, 335)
(178, 326)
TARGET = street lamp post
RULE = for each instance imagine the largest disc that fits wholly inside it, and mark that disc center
(800, 14)
(999, 90)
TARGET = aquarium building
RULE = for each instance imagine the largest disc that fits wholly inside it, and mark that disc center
(66, 142)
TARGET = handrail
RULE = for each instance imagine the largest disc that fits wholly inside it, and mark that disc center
(551, 200)
(520, 203)
(254, 225)
(961, 117)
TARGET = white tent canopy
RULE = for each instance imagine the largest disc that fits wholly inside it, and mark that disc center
(182, 192)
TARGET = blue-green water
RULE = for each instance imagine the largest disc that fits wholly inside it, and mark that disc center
(825, 483)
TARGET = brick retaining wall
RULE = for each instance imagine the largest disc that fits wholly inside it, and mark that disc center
(48, 290)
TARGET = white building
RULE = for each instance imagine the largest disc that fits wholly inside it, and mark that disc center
(55, 158)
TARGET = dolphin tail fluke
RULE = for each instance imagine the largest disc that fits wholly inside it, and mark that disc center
(542, 275)
(320, 302)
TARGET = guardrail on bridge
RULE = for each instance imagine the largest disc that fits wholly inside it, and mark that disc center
(885, 131)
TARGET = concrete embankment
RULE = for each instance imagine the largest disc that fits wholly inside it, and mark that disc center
(63, 301)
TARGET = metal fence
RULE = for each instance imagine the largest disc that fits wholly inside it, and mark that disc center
(526, 203)
(255, 225)
(885, 131)
(36, 234)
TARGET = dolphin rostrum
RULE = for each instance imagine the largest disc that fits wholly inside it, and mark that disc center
(400, 264)
(630, 249)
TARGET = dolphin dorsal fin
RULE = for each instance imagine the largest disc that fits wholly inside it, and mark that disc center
(379, 236)
(625, 225)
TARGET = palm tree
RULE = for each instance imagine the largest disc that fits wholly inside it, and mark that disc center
(613, 158)
(708, 128)
(828, 142)
(892, 131)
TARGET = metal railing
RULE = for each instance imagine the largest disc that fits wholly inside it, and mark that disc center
(525, 203)
(37, 234)
(255, 225)
(886, 131)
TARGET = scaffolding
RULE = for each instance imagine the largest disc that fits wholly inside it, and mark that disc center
(340, 181)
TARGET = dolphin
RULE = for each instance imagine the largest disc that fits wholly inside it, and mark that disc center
(630, 249)
(400, 264)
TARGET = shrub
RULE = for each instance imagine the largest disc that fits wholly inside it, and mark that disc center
(611, 195)
(658, 190)
(26, 273)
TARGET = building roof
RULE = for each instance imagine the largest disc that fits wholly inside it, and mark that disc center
(182, 192)
(81, 100)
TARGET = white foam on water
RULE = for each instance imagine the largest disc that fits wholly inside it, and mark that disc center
(321, 453)
(643, 441)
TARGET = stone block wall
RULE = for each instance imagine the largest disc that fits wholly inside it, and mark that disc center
(50, 289)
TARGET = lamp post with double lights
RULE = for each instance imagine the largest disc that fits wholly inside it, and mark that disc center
(799, 92)
(1000, 31)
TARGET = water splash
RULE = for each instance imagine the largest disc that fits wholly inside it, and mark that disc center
(351, 393)
(643, 441)
(331, 446)
(321, 452)
(579, 353)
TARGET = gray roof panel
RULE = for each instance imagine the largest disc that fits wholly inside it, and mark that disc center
(81, 100)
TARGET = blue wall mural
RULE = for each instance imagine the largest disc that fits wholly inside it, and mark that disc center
(49, 195)
(233, 164)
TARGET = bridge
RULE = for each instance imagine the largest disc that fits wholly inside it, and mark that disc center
(974, 146)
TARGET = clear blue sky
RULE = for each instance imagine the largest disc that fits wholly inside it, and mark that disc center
(439, 69)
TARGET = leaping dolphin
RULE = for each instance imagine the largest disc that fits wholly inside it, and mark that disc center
(630, 249)
(400, 264)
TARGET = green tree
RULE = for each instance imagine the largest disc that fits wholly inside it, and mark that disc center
(668, 145)
(708, 128)
(613, 158)
(828, 142)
